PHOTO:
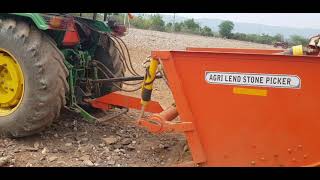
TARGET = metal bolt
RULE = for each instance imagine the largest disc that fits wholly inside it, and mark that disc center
(299, 146)
(262, 159)
(294, 160)
(289, 150)
(253, 163)
(305, 156)
(11, 89)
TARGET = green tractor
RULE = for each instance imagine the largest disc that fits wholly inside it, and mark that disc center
(48, 61)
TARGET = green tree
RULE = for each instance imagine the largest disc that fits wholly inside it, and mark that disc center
(298, 40)
(169, 27)
(240, 36)
(190, 25)
(206, 31)
(225, 29)
(278, 37)
(140, 22)
(156, 23)
(177, 27)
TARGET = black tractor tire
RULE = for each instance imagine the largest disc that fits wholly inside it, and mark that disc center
(45, 78)
(109, 55)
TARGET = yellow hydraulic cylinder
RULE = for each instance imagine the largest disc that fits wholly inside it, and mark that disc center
(297, 50)
(148, 82)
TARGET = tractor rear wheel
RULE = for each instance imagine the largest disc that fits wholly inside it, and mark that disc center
(32, 79)
(109, 55)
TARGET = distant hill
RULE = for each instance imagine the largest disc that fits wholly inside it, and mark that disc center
(250, 28)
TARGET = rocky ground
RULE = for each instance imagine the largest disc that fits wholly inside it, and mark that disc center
(71, 141)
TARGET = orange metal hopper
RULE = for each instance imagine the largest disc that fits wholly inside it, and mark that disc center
(246, 107)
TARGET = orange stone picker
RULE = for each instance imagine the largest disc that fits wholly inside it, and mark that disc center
(242, 107)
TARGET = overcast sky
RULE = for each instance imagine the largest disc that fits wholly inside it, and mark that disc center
(299, 20)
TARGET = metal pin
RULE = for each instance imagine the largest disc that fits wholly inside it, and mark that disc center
(142, 112)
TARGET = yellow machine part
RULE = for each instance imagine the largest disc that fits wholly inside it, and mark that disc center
(11, 83)
(297, 50)
(148, 82)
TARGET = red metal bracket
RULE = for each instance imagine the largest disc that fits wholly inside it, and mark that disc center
(117, 99)
(160, 123)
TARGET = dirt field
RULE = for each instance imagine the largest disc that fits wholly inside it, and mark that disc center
(71, 141)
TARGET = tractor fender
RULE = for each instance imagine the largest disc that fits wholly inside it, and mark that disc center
(36, 18)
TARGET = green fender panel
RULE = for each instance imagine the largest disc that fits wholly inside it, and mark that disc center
(36, 18)
(41, 23)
